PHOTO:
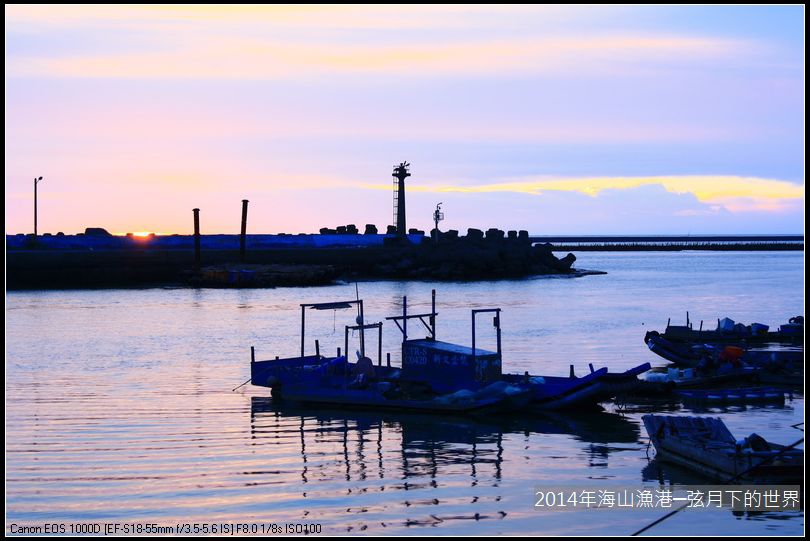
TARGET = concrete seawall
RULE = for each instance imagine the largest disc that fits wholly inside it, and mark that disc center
(113, 261)
(186, 242)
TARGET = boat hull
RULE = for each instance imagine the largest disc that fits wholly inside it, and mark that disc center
(705, 445)
(689, 335)
(586, 392)
(364, 399)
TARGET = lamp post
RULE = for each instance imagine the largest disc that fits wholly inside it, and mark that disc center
(36, 181)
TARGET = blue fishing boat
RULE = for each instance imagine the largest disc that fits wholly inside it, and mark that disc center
(433, 376)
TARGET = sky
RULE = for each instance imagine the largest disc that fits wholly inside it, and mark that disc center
(554, 119)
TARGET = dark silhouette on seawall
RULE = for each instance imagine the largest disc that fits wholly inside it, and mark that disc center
(98, 259)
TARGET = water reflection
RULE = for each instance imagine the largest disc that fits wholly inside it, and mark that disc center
(704, 409)
(674, 404)
(420, 449)
(121, 406)
(667, 475)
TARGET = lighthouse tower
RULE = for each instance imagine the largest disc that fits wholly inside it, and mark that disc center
(400, 174)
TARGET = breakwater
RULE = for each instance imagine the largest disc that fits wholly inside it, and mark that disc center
(120, 261)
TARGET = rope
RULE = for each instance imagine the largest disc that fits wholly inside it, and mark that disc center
(245, 383)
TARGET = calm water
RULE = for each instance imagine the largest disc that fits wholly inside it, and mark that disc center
(119, 405)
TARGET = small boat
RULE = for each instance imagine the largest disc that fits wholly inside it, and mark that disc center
(711, 364)
(433, 376)
(705, 444)
(468, 378)
(694, 355)
(747, 395)
(729, 332)
(678, 353)
(335, 381)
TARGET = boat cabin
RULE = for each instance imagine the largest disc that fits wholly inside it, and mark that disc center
(444, 366)
(449, 367)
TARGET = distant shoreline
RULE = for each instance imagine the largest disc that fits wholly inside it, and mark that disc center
(651, 247)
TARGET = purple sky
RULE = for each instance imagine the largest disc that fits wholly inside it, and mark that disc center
(583, 120)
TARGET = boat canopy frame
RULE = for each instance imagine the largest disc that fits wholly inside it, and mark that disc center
(496, 322)
(362, 328)
(340, 305)
(430, 325)
(402, 321)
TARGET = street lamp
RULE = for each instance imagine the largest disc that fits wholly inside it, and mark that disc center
(36, 181)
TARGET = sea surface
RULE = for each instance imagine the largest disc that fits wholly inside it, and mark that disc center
(120, 408)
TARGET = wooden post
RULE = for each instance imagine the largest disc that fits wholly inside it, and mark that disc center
(433, 308)
(346, 342)
(252, 354)
(303, 316)
(362, 331)
(317, 349)
(473, 335)
(498, 330)
(196, 237)
(242, 237)
(36, 181)
(404, 318)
